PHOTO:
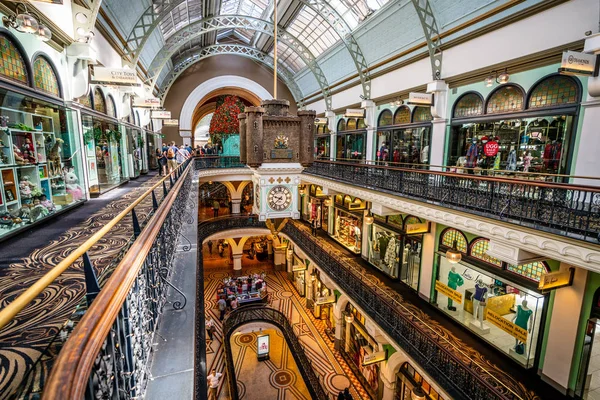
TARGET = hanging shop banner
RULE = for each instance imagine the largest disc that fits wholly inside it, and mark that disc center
(374, 358)
(575, 63)
(151, 102)
(171, 122)
(321, 121)
(507, 326)
(448, 291)
(325, 300)
(555, 280)
(298, 268)
(413, 229)
(491, 148)
(420, 99)
(115, 76)
(262, 346)
(355, 112)
(160, 114)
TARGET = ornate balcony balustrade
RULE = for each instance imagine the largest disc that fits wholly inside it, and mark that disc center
(563, 209)
(205, 162)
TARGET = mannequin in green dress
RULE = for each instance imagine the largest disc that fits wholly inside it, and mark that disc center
(454, 281)
(523, 320)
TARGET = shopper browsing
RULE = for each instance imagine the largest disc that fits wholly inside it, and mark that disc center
(213, 384)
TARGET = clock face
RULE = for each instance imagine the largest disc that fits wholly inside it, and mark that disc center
(257, 195)
(279, 198)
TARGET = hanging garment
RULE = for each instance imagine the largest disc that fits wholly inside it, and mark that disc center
(396, 155)
(555, 155)
(390, 252)
(383, 244)
(547, 155)
(511, 161)
(472, 154)
(480, 292)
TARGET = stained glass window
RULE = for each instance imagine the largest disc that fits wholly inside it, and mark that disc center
(402, 116)
(85, 100)
(533, 271)
(554, 91)
(351, 125)
(99, 104)
(385, 118)
(360, 124)
(411, 219)
(508, 98)
(111, 110)
(341, 125)
(44, 77)
(469, 105)
(13, 63)
(422, 114)
(478, 250)
(450, 235)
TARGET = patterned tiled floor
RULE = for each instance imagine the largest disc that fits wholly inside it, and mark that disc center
(327, 363)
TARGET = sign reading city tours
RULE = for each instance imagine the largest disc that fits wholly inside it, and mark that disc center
(160, 114)
(576, 63)
(374, 358)
(321, 121)
(420, 99)
(355, 112)
(171, 122)
(507, 326)
(115, 76)
(448, 291)
(325, 300)
(491, 148)
(150, 102)
(555, 280)
(413, 229)
(262, 347)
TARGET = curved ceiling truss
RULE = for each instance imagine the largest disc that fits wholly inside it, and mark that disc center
(243, 51)
(432, 35)
(201, 27)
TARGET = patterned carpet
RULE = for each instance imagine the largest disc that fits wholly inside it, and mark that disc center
(28, 344)
(311, 332)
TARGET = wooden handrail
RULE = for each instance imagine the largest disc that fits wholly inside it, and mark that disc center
(69, 377)
(24, 299)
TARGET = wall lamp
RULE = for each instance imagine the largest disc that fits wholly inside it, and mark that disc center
(499, 79)
(25, 22)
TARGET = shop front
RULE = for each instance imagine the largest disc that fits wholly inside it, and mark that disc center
(135, 143)
(407, 382)
(351, 139)
(312, 204)
(298, 274)
(358, 347)
(348, 225)
(498, 302)
(404, 137)
(153, 143)
(395, 246)
(516, 131)
(323, 301)
(322, 143)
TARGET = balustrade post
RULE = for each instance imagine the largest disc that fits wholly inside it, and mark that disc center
(136, 224)
(154, 202)
(92, 288)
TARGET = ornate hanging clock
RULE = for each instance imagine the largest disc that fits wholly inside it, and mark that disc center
(279, 198)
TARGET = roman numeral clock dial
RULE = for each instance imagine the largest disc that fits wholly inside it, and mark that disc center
(279, 198)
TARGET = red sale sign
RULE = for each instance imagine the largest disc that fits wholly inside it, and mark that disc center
(491, 148)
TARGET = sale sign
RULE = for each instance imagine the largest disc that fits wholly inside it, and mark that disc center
(491, 148)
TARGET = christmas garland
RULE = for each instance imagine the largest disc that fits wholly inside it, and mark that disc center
(225, 118)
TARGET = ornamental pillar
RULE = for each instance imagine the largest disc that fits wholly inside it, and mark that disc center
(439, 111)
(370, 111)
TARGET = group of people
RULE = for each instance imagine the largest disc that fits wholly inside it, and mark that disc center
(171, 156)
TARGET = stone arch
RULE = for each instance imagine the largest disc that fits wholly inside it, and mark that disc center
(393, 364)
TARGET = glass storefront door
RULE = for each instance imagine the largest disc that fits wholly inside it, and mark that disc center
(588, 381)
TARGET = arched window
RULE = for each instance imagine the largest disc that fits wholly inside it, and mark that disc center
(422, 114)
(99, 103)
(341, 126)
(411, 219)
(319, 129)
(139, 121)
(111, 110)
(385, 118)
(532, 271)
(507, 98)
(479, 248)
(85, 100)
(13, 65)
(555, 90)
(351, 124)
(402, 115)
(450, 235)
(360, 123)
(469, 105)
(44, 77)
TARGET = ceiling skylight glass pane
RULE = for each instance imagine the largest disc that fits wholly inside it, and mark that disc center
(312, 30)
(252, 8)
(288, 57)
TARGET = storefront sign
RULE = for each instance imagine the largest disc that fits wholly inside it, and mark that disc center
(575, 63)
(491, 148)
(150, 102)
(160, 114)
(355, 112)
(448, 291)
(185, 133)
(298, 268)
(413, 229)
(321, 121)
(262, 346)
(171, 122)
(325, 300)
(374, 358)
(555, 280)
(115, 76)
(420, 99)
(507, 326)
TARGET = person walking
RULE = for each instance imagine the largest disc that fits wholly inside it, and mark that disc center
(210, 328)
(314, 225)
(210, 244)
(347, 395)
(221, 249)
(222, 305)
(234, 304)
(213, 384)
(215, 207)
(172, 151)
(161, 158)
(182, 155)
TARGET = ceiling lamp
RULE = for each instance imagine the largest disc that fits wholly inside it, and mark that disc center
(503, 77)
(349, 317)
(499, 79)
(44, 34)
(369, 218)
(489, 81)
(26, 23)
(453, 255)
(417, 393)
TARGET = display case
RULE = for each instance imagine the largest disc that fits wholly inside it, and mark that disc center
(348, 229)
(40, 161)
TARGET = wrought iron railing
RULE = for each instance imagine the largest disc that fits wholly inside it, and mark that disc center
(204, 162)
(107, 355)
(563, 209)
(249, 314)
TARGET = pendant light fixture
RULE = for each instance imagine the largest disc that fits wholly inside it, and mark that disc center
(417, 393)
(369, 218)
(349, 317)
(453, 255)
(44, 33)
(503, 77)
(26, 22)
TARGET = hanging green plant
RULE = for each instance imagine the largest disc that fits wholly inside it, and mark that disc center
(97, 133)
(114, 135)
(140, 141)
(88, 136)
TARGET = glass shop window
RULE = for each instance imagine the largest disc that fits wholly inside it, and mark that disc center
(322, 147)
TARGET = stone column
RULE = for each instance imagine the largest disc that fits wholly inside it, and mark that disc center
(439, 111)
(331, 125)
(237, 262)
(427, 260)
(235, 206)
(348, 338)
(270, 247)
(370, 111)
(389, 388)
(339, 330)
(279, 259)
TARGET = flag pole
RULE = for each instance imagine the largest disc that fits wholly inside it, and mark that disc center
(275, 50)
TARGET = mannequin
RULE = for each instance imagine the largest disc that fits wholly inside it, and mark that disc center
(523, 320)
(425, 155)
(390, 253)
(479, 297)
(454, 281)
(357, 235)
(472, 156)
(527, 161)
(511, 161)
